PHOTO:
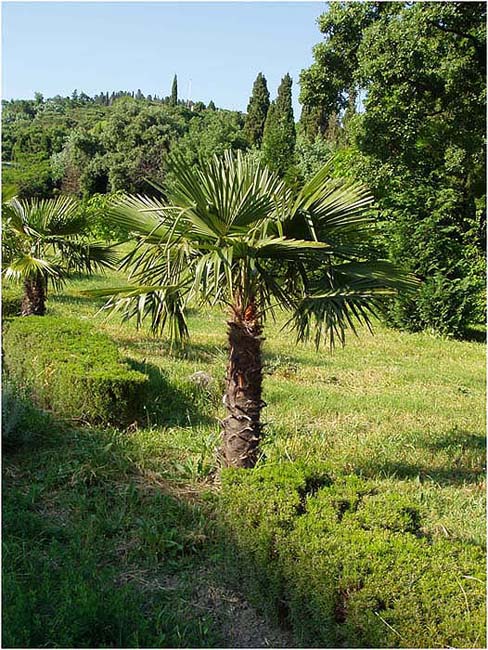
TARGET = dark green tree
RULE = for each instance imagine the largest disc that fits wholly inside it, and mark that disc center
(173, 100)
(211, 106)
(257, 110)
(313, 121)
(418, 142)
(279, 136)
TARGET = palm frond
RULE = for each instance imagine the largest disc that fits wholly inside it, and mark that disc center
(57, 216)
(345, 296)
(327, 206)
(28, 266)
(288, 249)
(327, 316)
(147, 217)
(83, 257)
(163, 306)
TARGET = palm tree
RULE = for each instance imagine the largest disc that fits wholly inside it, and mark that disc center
(43, 242)
(232, 233)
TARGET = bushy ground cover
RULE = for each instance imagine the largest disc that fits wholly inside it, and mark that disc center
(11, 301)
(105, 530)
(73, 370)
(346, 562)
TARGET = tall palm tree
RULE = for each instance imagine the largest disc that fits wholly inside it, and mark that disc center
(232, 233)
(43, 242)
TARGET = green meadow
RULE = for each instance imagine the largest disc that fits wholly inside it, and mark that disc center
(111, 536)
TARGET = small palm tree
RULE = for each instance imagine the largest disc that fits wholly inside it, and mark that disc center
(232, 233)
(43, 242)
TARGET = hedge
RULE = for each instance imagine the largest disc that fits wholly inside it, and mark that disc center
(345, 563)
(76, 372)
(11, 301)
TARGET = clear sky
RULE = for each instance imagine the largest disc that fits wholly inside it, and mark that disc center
(55, 47)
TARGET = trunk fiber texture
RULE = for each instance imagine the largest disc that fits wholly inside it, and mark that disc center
(34, 299)
(242, 428)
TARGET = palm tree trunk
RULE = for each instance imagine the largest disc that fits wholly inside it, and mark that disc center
(242, 428)
(34, 299)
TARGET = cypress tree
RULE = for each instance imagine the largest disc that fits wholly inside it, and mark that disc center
(173, 100)
(279, 130)
(257, 111)
(211, 106)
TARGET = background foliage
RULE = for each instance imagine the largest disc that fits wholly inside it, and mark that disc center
(418, 141)
(396, 93)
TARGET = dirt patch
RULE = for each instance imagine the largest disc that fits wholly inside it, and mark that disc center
(239, 623)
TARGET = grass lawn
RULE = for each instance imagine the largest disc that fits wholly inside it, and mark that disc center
(109, 535)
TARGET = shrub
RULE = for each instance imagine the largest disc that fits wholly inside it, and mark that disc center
(347, 564)
(11, 301)
(72, 370)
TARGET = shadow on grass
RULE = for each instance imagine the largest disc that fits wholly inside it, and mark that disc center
(458, 439)
(452, 475)
(466, 452)
(475, 334)
(76, 299)
(100, 553)
(211, 353)
(170, 405)
(189, 351)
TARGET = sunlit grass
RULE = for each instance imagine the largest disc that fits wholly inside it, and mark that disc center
(134, 507)
(402, 407)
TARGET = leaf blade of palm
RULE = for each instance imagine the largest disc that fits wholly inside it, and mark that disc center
(233, 226)
(45, 237)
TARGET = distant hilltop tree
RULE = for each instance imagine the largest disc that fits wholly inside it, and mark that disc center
(174, 92)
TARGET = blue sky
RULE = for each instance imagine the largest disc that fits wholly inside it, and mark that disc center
(55, 47)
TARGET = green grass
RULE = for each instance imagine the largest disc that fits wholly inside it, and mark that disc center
(120, 514)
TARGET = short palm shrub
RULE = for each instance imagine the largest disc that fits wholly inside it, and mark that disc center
(232, 233)
(346, 563)
(72, 370)
(44, 242)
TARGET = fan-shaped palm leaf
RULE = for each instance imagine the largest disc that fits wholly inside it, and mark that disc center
(232, 233)
(43, 241)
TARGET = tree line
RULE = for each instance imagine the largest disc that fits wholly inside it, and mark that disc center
(395, 97)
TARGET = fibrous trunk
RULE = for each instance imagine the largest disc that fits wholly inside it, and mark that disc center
(34, 299)
(242, 428)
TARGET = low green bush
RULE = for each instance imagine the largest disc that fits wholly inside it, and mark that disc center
(11, 301)
(346, 563)
(76, 372)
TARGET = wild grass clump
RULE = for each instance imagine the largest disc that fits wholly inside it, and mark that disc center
(73, 370)
(346, 563)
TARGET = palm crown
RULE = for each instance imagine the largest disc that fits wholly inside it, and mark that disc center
(232, 233)
(43, 242)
